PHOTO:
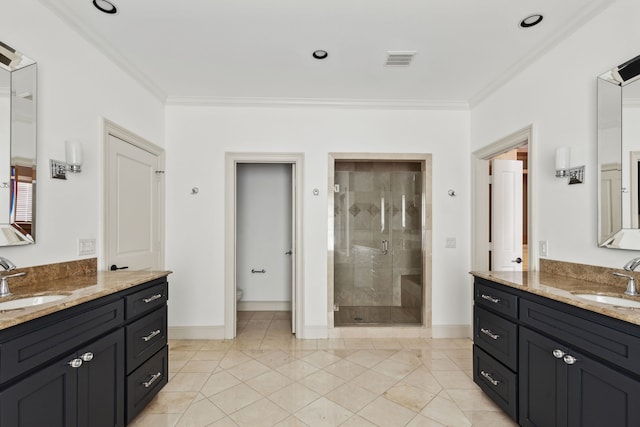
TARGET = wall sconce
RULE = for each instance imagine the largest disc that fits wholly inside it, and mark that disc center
(73, 156)
(564, 169)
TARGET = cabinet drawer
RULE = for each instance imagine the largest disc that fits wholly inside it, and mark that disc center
(146, 300)
(29, 351)
(586, 335)
(145, 337)
(497, 336)
(145, 382)
(497, 300)
(496, 380)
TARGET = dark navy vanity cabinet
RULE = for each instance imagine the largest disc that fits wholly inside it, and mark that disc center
(547, 363)
(93, 365)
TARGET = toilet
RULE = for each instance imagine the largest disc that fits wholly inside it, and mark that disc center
(238, 294)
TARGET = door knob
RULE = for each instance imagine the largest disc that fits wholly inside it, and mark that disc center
(115, 267)
(517, 260)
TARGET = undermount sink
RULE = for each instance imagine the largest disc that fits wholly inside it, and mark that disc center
(608, 299)
(30, 301)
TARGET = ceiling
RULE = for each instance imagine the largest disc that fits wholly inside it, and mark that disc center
(261, 50)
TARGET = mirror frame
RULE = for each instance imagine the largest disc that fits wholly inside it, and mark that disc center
(18, 140)
(613, 171)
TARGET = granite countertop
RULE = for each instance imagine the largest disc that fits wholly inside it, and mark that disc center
(80, 289)
(562, 288)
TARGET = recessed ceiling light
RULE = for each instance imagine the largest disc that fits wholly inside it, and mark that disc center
(105, 6)
(531, 20)
(320, 54)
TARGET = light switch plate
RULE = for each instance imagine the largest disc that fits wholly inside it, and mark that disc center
(544, 248)
(450, 242)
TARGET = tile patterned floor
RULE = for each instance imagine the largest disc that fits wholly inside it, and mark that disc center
(265, 377)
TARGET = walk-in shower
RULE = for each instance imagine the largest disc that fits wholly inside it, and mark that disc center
(378, 242)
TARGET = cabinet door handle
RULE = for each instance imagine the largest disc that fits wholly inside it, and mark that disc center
(75, 363)
(569, 359)
(152, 298)
(489, 378)
(151, 335)
(490, 298)
(489, 333)
(558, 354)
(87, 357)
(153, 379)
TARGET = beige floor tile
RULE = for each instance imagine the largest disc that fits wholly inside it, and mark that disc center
(393, 369)
(180, 355)
(202, 366)
(358, 343)
(424, 379)
(454, 380)
(233, 358)
(168, 402)
(373, 381)
(322, 382)
(411, 358)
(147, 419)
(269, 382)
(235, 398)
(247, 370)
(323, 412)
(490, 419)
(331, 344)
(345, 369)
(297, 369)
(422, 421)
(291, 421)
(357, 421)
(472, 400)
(186, 382)
(185, 345)
(351, 397)
(369, 358)
(209, 355)
(176, 365)
(223, 422)
(293, 397)
(386, 413)
(219, 382)
(275, 358)
(410, 397)
(441, 365)
(385, 343)
(260, 413)
(321, 358)
(446, 412)
(200, 414)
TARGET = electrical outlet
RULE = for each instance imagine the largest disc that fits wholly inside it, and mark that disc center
(86, 246)
(544, 248)
(450, 242)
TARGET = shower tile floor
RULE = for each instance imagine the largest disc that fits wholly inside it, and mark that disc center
(265, 377)
(378, 315)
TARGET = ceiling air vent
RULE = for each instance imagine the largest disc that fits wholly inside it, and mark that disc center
(399, 59)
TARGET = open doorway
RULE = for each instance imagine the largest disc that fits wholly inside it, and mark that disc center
(516, 148)
(262, 269)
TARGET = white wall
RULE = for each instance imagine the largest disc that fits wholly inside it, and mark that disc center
(197, 139)
(557, 94)
(77, 86)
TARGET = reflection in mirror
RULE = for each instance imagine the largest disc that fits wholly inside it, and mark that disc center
(619, 156)
(17, 147)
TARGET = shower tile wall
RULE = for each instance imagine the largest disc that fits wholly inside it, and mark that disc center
(364, 276)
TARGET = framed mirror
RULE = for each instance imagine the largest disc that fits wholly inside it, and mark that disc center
(17, 147)
(619, 156)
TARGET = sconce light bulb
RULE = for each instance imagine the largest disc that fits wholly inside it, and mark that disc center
(563, 161)
(73, 155)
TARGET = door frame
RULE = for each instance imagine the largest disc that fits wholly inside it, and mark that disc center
(110, 128)
(297, 295)
(480, 198)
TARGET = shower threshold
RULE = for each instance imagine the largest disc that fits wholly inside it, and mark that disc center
(377, 316)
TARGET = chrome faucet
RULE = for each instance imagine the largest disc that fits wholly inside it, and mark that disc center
(631, 284)
(632, 264)
(4, 286)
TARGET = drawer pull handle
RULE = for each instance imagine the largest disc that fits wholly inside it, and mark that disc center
(151, 335)
(152, 298)
(75, 363)
(569, 359)
(87, 357)
(490, 298)
(558, 354)
(489, 378)
(489, 333)
(153, 379)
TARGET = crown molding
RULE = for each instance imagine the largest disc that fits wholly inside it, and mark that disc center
(65, 13)
(398, 104)
(586, 14)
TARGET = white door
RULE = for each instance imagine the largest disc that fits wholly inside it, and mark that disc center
(506, 215)
(292, 264)
(133, 226)
(264, 235)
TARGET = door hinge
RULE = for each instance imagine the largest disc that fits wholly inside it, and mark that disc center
(159, 172)
(336, 188)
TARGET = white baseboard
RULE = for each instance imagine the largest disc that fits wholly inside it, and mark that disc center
(316, 332)
(263, 306)
(196, 332)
